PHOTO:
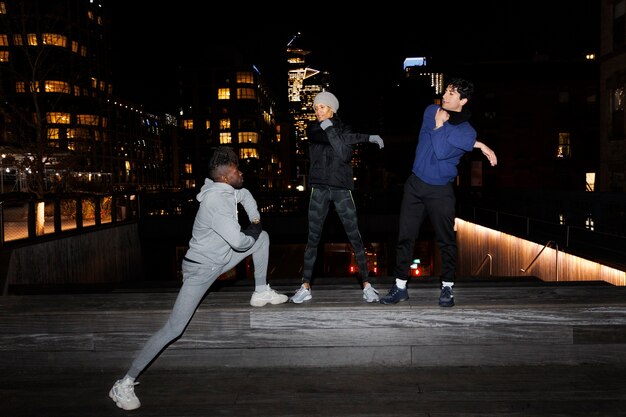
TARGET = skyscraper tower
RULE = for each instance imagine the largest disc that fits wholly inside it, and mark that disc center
(303, 84)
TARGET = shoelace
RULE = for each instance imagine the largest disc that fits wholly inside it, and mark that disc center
(128, 389)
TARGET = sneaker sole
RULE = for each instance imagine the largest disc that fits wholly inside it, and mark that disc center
(393, 302)
(303, 300)
(119, 404)
(273, 302)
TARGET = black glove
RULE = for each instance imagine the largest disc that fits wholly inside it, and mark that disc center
(326, 123)
(254, 230)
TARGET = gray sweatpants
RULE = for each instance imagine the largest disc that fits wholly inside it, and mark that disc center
(197, 278)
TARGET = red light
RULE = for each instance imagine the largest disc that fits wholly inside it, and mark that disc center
(352, 269)
(416, 271)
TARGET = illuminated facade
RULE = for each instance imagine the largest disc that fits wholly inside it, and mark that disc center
(303, 85)
(229, 106)
(59, 116)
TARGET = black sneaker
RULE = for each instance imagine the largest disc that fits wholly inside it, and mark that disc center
(446, 298)
(395, 295)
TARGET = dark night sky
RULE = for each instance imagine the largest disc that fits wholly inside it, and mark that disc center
(365, 47)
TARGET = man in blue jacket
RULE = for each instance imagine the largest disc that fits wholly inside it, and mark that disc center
(445, 136)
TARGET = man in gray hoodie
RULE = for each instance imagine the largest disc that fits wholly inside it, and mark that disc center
(217, 245)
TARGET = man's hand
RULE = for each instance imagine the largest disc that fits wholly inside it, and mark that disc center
(254, 230)
(486, 150)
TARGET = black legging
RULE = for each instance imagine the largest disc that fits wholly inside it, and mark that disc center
(319, 204)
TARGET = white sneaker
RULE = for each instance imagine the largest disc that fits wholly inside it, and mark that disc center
(259, 299)
(370, 294)
(123, 393)
(303, 294)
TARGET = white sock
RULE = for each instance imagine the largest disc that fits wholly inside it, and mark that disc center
(447, 284)
(262, 288)
(401, 283)
(129, 378)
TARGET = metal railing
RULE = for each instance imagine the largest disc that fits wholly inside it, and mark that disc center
(489, 258)
(556, 258)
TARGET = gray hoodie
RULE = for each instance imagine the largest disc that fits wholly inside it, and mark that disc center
(216, 231)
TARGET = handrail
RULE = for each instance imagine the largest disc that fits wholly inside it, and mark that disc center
(487, 256)
(540, 252)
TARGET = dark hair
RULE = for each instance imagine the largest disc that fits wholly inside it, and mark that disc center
(462, 86)
(222, 157)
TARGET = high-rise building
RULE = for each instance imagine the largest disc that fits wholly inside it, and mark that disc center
(612, 175)
(61, 126)
(228, 106)
(303, 84)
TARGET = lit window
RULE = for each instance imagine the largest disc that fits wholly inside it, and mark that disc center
(188, 168)
(563, 150)
(224, 124)
(71, 133)
(590, 179)
(90, 14)
(74, 46)
(4, 56)
(223, 93)
(87, 119)
(53, 39)
(20, 87)
(53, 134)
(18, 40)
(207, 124)
(245, 153)
(3, 8)
(83, 51)
(77, 91)
(187, 124)
(246, 93)
(56, 87)
(32, 39)
(58, 117)
(248, 137)
(225, 138)
(245, 77)
(4, 40)
(94, 82)
(104, 122)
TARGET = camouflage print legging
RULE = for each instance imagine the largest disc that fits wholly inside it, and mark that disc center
(319, 204)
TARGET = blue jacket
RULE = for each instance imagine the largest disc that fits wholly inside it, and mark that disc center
(439, 151)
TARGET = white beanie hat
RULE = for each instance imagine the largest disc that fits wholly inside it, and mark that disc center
(328, 99)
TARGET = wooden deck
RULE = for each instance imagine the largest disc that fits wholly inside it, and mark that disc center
(510, 347)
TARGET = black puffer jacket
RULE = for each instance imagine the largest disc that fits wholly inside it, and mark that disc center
(330, 152)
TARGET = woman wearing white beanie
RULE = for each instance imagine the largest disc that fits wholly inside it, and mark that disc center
(330, 179)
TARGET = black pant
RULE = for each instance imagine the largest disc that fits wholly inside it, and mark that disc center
(319, 205)
(438, 202)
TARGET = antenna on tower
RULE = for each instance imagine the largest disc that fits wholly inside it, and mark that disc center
(293, 39)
